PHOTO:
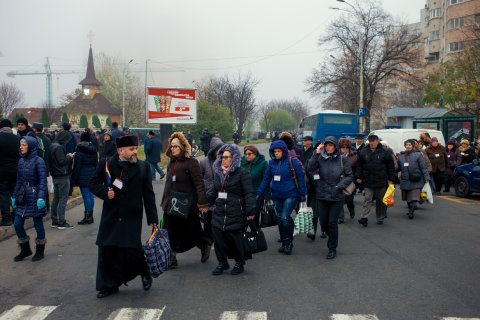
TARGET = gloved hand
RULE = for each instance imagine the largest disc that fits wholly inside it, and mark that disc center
(40, 204)
(13, 203)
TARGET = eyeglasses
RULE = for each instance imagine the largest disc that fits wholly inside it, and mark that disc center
(225, 158)
(174, 147)
(248, 153)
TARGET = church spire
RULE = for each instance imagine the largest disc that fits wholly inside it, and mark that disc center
(90, 79)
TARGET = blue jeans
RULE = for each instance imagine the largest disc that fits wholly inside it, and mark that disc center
(87, 196)
(61, 187)
(285, 222)
(155, 167)
(20, 229)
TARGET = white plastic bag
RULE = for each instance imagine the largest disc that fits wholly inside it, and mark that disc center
(428, 190)
(50, 184)
(303, 220)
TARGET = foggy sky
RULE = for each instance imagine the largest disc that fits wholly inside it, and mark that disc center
(276, 40)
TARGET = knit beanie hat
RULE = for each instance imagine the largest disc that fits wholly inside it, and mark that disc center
(22, 120)
(251, 148)
(434, 139)
(5, 123)
(85, 136)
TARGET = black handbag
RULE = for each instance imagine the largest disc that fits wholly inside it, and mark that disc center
(268, 215)
(414, 176)
(179, 204)
(20, 195)
(255, 239)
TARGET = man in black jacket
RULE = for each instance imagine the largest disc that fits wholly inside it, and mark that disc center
(125, 191)
(152, 154)
(375, 170)
(60, 170)
(8, 168)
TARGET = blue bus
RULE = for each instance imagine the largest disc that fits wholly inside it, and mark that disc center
(329, 123)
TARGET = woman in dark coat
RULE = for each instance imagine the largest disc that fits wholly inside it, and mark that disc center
(235, 203)
(453, 161)
(351, 156)
(334, 175)
(86, 161)
(109, 148)
(255, 164)
(413, 175)
(184, 176)
(32, 178)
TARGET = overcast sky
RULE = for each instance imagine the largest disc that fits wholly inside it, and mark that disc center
(275, 40)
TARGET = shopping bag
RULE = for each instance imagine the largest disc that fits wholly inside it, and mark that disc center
(388, 198)
(157, 252)
(255, 239)
(303, 220)
(428, 191)
(268, 215)
(50, 184)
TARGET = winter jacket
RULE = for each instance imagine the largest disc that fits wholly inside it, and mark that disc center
(426, 158)
(9, 156)
(257, 168)
(31, 173)
(416, 165)
(438, 158)
(153, 150)
(121, 221)
(72, 142)
(466, 155)
(286, 187)
(109, 149)
(375, 167)
(115, 133)
(206, 167)
(46, 147)
(85, 164)
(332, 178)
(230, 213)
(59, 163)
(453, 160)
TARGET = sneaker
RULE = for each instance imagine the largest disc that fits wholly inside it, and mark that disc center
(54, 224)
(64, 226)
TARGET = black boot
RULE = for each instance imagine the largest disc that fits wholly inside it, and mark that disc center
(25, 250)
(363, 222)
(288, 247)
(222, 266)
(237, 269)
(282, 248)
(39, 249)
(87, 218)
(6, 219)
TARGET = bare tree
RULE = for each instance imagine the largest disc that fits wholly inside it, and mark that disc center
(297, 108)
(237, 94)
(264, 112)
(368, 32)
(10, 97)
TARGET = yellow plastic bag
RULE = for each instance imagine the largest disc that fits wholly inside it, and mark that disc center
(388, 198)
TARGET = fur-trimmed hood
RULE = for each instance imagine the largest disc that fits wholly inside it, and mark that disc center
(288, 139)
(236, 154)
(183, 140)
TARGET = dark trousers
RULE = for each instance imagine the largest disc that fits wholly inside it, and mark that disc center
(439, 179)
(328, 215)
(207, 223)
(448, 182)
(229, 244)
(7, 184)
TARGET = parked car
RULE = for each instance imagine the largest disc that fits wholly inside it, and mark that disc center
(466, 179)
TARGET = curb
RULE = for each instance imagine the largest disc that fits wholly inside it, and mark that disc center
(7, 232)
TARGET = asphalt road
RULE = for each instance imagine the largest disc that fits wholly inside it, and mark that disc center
(426, 268)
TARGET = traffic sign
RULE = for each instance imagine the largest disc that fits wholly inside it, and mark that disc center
(361, 112)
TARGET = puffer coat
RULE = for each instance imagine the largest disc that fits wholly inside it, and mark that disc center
(32, 172)
(85, 164)
(375, 167)
(286, 187)
(230, 213)
(331, 183)
(416, 165)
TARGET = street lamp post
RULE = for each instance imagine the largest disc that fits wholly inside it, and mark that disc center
(123, 93)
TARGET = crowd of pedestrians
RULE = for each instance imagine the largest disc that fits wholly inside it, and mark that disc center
(209, 202)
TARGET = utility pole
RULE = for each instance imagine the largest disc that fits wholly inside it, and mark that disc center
(123, 93)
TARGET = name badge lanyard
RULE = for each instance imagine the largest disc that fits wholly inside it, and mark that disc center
(174, 177)
(222, 194)
(277, 175)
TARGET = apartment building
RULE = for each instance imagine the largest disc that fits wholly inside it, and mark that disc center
(449, 26)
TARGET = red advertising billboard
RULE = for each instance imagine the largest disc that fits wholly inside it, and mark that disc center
(171, 106)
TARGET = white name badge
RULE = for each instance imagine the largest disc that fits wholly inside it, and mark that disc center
(276, 178)
(316, 177)
(222, 195)
(449, 156)
(462, 153)
(437, 155)
(174, 178)
(406, 164)
(118, 183)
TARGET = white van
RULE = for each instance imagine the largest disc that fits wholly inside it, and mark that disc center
(396, 137)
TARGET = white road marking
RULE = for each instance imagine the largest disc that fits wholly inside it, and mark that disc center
(243, 315)
(353, 317)
(454, 318)
(26, 312)
(136, 314)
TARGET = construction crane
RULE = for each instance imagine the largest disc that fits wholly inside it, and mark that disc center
(48, 72)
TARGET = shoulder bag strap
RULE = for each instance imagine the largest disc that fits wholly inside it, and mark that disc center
(293, 171)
